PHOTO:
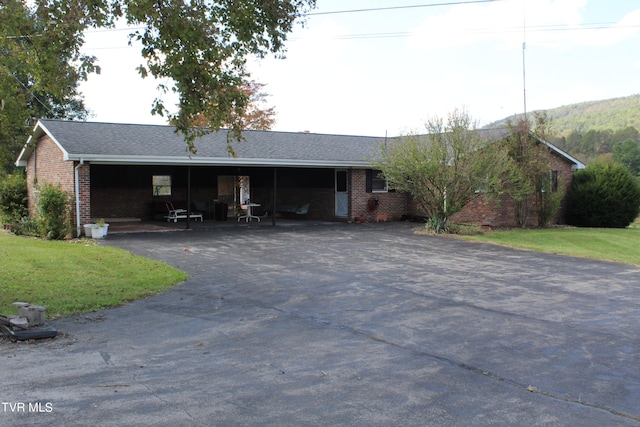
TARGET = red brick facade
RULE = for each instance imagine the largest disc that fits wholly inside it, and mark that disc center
(502, 213)
(47, 166)
(126, 191)
(371, 205)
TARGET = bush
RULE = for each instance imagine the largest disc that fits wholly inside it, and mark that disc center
(27, 227)
(53, 206)
(13, 197)
(603, 195)
(549, 201)
(436, 225)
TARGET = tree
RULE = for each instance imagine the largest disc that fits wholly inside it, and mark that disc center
(446, 168)
(40, 67)
(628, 153)
(626, 133)
(13, 198)
(605, 194)
(255, 117)
(200, 47)
(532, 183)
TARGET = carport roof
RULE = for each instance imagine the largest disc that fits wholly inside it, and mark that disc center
(114, 143)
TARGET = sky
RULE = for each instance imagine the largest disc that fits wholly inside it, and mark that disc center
(389, 71)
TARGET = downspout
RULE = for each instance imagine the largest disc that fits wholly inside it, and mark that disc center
(77, 178)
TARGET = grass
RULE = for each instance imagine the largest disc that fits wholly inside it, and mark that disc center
(610, 244)
(77, 276)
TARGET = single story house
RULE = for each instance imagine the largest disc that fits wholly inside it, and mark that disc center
(130, 171)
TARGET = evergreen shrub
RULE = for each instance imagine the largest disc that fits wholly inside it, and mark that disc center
(605, 194)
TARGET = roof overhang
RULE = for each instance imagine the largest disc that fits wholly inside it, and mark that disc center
(213, 161)
(577, 164)
(39, 130)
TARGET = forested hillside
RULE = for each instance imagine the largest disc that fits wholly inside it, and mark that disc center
(608, 128)
(606, 114)
(612, 114)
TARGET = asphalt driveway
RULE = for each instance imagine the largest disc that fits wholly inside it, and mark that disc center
(344, 324)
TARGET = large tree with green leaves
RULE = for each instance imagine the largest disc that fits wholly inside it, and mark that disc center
(532, 185)
(445, 167)
(200, 47)
(40, 67)
(628, 153)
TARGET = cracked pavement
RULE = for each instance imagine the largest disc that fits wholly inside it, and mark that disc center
(343, 324)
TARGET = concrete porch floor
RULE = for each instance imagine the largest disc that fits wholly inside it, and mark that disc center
(123, 227)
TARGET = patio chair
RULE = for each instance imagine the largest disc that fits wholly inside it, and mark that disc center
(176, 214)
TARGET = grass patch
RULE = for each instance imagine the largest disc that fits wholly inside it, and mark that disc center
(76, 276)
(610, 244)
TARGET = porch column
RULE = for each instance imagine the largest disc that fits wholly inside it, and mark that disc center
(273, 205)
(188, 197)
(83, 195)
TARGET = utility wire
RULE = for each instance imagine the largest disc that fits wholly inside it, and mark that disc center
(46, 107)
(401, 7)
(602, 26)
(541, 28)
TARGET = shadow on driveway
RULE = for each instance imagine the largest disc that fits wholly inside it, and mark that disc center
(344, 324)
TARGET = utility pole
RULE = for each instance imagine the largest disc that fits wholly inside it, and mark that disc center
(524, 46)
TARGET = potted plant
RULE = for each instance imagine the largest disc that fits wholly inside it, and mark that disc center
(88, 229)
(99, 229)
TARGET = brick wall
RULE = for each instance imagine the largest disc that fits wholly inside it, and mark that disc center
(84, 179)
(489, 213)
(392, 203)
(47, 166)
(502, 213)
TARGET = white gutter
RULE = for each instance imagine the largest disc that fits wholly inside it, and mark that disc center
(215, 161)
(77, 178)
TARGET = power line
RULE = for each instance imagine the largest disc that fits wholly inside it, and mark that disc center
(487, 30)
(601, 26)
(377, 9)
(32, 94)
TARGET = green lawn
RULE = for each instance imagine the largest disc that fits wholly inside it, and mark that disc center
(617, 244)
(76, 276)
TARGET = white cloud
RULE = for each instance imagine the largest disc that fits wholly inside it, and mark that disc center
(626, 28)
(463, 25)
(558, 23)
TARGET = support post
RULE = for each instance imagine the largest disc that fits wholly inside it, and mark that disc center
(188, 197)
(273, 205)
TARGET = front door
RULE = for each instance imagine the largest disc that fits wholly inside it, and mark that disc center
(342, 194)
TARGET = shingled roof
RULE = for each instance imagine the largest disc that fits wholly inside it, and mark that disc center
(117, 143)
(113, 143)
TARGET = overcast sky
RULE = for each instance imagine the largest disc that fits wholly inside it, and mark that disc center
(388, 71)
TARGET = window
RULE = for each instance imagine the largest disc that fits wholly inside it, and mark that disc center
(375, 182)
(554, 181)
(550, 181)
(161, 185)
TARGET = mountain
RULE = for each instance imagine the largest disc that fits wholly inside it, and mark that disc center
(612, 114)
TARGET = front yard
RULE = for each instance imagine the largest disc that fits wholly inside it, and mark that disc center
(610, 244)
(76, 276)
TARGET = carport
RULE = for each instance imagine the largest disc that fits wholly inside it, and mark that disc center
(127, 191)
(125, 171)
